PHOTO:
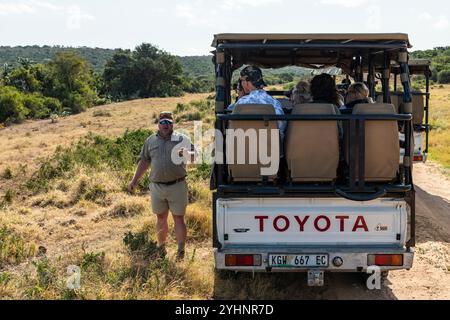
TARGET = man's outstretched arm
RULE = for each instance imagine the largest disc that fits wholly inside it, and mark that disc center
(142, 168)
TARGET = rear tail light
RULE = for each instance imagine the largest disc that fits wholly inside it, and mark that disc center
(243, 260)
(385, 260)
(418, 158)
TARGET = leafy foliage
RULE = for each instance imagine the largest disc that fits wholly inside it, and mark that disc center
(92, 152)
(145, 72)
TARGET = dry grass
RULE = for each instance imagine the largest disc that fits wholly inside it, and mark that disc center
(440, 121)
(83, 216)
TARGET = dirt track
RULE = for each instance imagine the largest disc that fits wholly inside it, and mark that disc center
(429, 278)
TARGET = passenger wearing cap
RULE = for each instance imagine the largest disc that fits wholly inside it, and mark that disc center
(252, 84)
(167, 153)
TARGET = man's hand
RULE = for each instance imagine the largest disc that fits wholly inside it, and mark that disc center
(132, 186)
(186, 154)
(183, 152)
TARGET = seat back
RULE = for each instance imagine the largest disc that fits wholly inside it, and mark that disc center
(418, 101)
(312, 147)
(252, 172)
(382, 144)
(396, 100)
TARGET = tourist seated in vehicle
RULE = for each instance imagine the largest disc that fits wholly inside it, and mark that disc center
(301, 93)
(239, 92)
(358, 93)
(324, 90)
(252, 84)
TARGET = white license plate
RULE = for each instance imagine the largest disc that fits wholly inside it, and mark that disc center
(298, 261)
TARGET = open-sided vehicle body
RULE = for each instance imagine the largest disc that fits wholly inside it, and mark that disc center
(421, 106)
(339, 203)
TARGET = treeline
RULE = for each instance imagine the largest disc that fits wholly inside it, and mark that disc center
(66, 84)
(440, 62)
(97, 57)
(69, 84)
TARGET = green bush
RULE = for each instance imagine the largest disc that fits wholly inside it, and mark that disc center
(13, 249)
(35, 103)
(93, 152)
(12, 107)
(54, 105)
(444, 77)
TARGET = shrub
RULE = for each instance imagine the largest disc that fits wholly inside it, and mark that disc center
(13, 249)
(35, 103)
(92, 152)
(93, 262)
(7, 174)
(444, 77)
(12, 108)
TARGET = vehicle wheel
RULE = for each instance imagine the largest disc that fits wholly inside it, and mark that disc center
(384, 277)
(225, 274)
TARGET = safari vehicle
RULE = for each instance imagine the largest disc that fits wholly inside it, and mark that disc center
(336, 204)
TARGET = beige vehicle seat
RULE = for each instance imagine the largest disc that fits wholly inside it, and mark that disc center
(252, 172)
(396, 100)
(312, 147)
(382, 143)
(418, 101)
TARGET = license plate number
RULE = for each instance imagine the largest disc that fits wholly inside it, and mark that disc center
(298, 261)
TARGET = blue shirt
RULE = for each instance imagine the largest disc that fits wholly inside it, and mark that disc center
(262, 97)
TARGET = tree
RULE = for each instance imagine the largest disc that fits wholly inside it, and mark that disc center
(71, 81)
(444, 77)
(12, 108)
(145, 72)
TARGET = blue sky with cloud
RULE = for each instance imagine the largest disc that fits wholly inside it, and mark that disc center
(187, 27)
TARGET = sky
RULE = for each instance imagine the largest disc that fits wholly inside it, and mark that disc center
(187, 27)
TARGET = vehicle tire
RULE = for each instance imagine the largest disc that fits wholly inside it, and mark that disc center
(225, 274)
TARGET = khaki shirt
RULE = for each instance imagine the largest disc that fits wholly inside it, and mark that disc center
(158, 152)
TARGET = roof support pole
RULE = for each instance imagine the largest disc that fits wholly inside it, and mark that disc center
(219, 62)
(359, 69)
(406, 82)
(385, 78)
(407, 109)
(371, 78)
(427, 111)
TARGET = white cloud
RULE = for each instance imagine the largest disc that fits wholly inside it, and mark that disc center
(425, 16)
(374, 20)
(239, 4)
(196, 15)
(345, 3)
(74, 15)
(442, 23)
(16, 8)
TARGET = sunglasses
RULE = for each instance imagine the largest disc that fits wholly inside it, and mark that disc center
(165, 122)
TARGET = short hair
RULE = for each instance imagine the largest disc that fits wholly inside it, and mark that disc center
(301, 93)
(357, 91)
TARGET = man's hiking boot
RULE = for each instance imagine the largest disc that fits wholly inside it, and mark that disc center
(181, 255)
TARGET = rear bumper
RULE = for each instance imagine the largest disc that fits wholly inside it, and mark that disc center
(355, 259)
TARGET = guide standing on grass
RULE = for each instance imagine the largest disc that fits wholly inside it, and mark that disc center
(167, 152)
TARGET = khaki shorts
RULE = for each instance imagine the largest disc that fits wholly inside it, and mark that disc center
(173, 198)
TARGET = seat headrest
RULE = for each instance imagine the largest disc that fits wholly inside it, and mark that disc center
(374, 108)
(254, 109)
(314, 108)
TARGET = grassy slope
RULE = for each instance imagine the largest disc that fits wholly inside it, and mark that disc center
(74, 229)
